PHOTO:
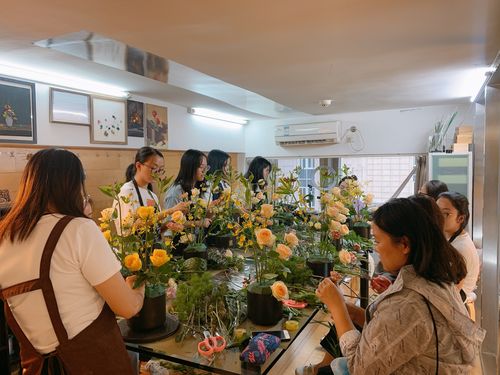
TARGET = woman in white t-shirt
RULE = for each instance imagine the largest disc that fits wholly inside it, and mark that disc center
(455, 209)
(138, 191)
(84, 272)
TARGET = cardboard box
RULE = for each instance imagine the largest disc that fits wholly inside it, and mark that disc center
(462, 147)
(463, 138)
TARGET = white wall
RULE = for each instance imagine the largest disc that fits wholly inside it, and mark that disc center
(185, 130)
(383, 132)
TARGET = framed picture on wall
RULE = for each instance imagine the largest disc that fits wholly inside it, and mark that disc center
(135, 119)
(108, 121)
(157, 126)
(17, 111)
(68, 107)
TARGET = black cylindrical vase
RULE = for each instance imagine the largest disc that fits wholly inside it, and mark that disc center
(362, 231)
(195, 250)
(151, 316)
(320, 267)
(263, 308)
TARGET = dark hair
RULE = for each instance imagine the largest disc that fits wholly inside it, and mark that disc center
(435, 187)
(461, 203)
(130, 172)
(52, 177)
(190, 162)
(351, 177)
(142, 156)
(432, 257)
(216, 160)
(256, 169)
(430, 207)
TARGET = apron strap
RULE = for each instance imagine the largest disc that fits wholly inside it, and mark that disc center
(47, 288)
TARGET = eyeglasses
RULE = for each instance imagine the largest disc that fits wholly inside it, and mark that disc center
(154, 169)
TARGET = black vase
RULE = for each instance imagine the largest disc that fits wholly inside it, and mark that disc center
(195, 250)
(263, 308)
(362, 231)
(320, 267)
(151, 316)
(220, 242)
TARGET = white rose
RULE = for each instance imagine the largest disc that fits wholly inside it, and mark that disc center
(228, 254)
(195, 192)
(317, 226)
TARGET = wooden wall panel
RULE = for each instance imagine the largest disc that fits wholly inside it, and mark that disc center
(102, 167)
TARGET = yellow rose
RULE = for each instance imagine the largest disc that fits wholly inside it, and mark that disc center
(279, 290)
(145, 211)
(133, 262)
(104, 226)
(267, 210)
(107, 235)
(345, 257)
(265, 237)
(332, 211)
(335, 225)
(291, 239)
(284, 251)
(106, 214)
(159, 257)
(178, 217)
(344, 230)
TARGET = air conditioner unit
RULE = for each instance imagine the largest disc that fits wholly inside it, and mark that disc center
(320, 133)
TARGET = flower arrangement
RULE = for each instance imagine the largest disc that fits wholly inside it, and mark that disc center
(8, 112)
(352, 196)
(192, 233)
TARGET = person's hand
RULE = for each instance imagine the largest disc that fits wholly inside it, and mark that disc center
(329, 293)
(130, 280)
(181, 206)
(380, 283)
(336, 277)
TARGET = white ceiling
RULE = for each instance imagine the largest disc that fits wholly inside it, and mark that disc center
(365, 54)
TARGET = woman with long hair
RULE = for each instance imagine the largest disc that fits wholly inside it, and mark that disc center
(419, 324)
(455, 209)
(218, 162)
(60, 279)
(258, 170)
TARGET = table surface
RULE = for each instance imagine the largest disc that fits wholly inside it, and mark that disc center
(228, 361)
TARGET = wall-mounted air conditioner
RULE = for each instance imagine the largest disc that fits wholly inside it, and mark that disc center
(320, 133)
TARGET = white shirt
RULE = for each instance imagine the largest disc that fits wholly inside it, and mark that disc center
(82, 259)
(128, 190)
(463, 243)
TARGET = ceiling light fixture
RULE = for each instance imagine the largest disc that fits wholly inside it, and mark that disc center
(67, 81)
(205, 112)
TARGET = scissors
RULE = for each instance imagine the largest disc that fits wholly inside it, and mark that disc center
(211, 344)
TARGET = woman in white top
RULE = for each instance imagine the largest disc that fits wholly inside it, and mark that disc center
(455, 209)
(137, 191)
(84, 272)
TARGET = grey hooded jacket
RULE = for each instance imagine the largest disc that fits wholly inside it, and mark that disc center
(399, 337)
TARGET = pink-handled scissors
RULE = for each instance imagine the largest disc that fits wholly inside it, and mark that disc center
(211, 344)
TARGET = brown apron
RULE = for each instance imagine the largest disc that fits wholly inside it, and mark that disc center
(98, 349)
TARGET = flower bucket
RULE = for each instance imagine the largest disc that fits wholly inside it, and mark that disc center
(362, 230)
(195, 250)
(151, 316)
(321, 267)
(263, 308)
(220, 242)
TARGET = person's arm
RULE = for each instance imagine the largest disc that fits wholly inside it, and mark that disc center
(356, 313)
(120, 296)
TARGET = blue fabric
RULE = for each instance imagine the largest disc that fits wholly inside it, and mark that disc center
(260, 348)
(339, 366)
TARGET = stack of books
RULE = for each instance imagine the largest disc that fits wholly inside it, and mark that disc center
(463, 138)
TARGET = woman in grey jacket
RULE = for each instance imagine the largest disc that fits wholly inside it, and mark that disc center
(419, 325)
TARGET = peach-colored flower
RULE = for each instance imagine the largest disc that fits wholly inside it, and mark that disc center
(345, 257)
(291, 239)
(284, 251)
(267, 210)
(368, 198)
(335, 225)
(340, 217)
(332, 211)
(317, 226)
(344, 230)
(159, 257)
(279, 290)
(259, 195)
(195, 192)
(336, 191)
(178, 217)
(265, 237)
(133, 262)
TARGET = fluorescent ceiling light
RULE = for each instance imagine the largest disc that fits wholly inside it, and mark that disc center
(67, 81)
(476, 80)
(204, 112)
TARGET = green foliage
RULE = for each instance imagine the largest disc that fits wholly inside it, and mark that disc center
(299, 273)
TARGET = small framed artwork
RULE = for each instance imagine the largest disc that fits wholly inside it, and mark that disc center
(156, 126)
(108, 121)
(135, 119)
(17, 111)
(69, 107)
